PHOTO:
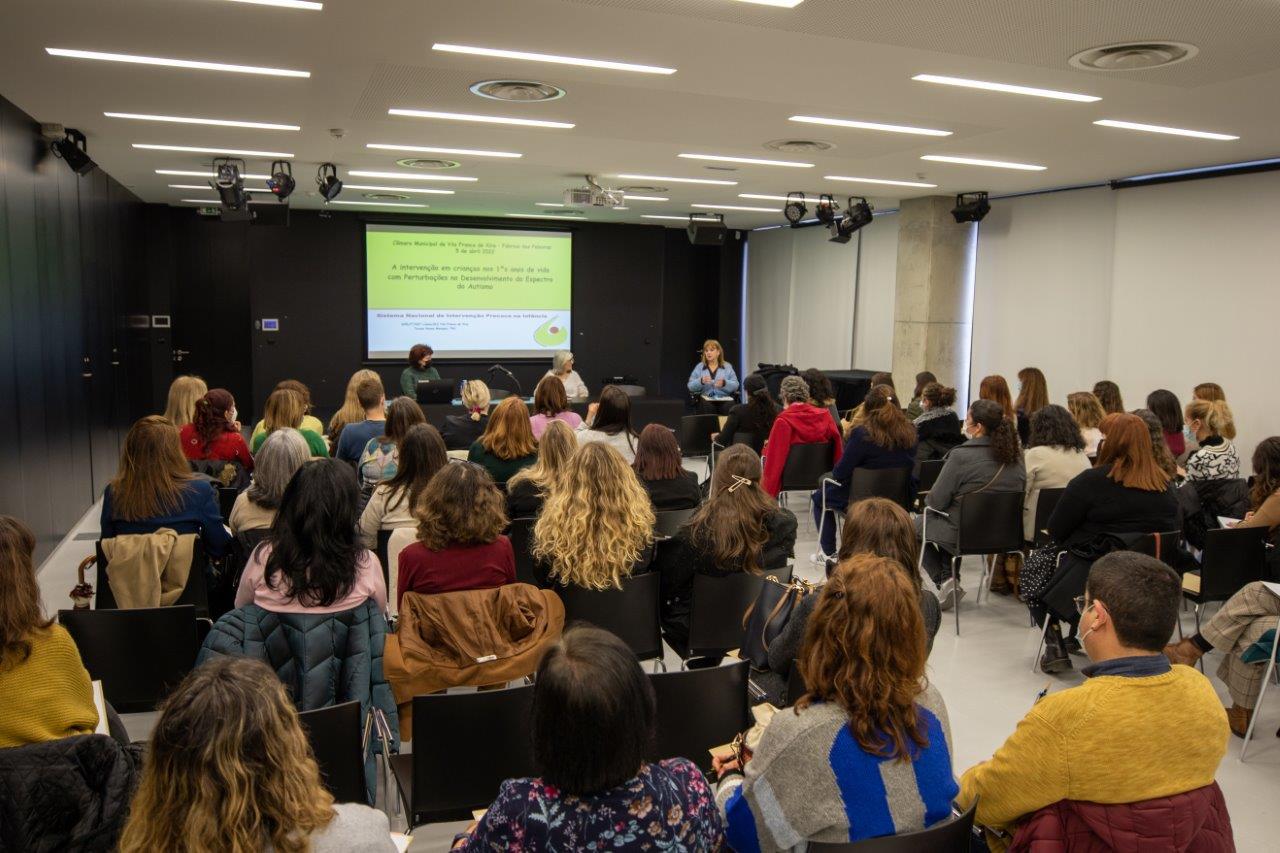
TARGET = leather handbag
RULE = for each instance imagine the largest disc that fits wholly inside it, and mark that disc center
(765, 619)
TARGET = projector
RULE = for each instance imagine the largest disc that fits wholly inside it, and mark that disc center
(593, 195)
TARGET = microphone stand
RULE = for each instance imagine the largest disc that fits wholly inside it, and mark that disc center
(499, 368)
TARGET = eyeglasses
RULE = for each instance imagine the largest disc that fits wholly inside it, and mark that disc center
(1082, 604)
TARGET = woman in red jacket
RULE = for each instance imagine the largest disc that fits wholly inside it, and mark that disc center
(214, 432)
(799, 423)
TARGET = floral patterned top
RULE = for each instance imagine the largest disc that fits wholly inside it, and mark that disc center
(667, 806)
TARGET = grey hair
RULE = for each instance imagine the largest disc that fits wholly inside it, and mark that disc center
(275, 463)
(794, 390)
(559, 360)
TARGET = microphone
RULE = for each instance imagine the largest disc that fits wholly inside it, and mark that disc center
(498, 368)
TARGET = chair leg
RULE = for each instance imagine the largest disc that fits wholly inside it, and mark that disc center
(1262, 694)
(822, 518)
(955, 592)
(659, 662)
(1044, 636)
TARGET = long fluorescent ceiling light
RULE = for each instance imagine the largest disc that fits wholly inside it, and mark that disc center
(871, 125)
(752, 161)
(215, 202)
(174, 63)
(206, 186)
(521, 122)
(213, 122)
(766, 197)
(781, 4)
(572, 217)
(381, 203)
(200, 149)
(645, 198)
(431, 149)
(1005, 87)
(285, 4)
(553, 58)
(735, 207)
(683, 218)
(708, 181)
(419, 190)
(852, 180)
(1172, 131)
(184, 173)
(974, 161)
(401, 176)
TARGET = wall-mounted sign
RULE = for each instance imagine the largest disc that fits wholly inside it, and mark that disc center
(160, 321)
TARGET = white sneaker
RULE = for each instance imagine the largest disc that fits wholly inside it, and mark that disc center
(950, 595)
(818, 558)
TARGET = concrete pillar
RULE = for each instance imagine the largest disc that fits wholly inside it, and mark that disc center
(933, 308)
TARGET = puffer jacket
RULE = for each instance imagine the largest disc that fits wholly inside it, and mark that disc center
(70, 794)
(1192, 822)
(1202, 501)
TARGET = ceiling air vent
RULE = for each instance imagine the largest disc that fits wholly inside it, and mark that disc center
(386, 196)
(1133, 56)
(798, 146)
(427, 163)
(516, 90)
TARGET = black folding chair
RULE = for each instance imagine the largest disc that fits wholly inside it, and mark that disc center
(1046, 500)
(716, 611)
(694, 436)
(1232, 558)
(795, 684)
(1163, 546)
(337, 742)
(668, 522)
(381, 548)
(698, 710)
(891, 483)
(929, 471)
(138, 655)
(949, 836)
(987, 524)
(470, 743)
(806, 465)
(630, 613)
(195, 593)
(521, 536)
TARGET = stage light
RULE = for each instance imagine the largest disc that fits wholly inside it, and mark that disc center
(855, 216)
(971, 207)
(73, 149)
(795, 209)
(281, 183)
(826, 209)
(229, 183)
(327, 181)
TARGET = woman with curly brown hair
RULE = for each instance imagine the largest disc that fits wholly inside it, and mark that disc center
(1108, 394)
(214, 432)
(461, 516)
(870, 739)
(229, 769)
(1087, 411)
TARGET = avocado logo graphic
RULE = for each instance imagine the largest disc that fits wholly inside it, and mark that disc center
(549, 334)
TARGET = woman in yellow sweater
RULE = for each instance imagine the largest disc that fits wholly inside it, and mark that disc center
(45, 688)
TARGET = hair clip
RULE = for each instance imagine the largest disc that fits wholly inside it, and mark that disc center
(738, 482)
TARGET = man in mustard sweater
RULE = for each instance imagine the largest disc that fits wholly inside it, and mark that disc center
(1138, 729)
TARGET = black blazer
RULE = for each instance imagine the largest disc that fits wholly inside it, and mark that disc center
(681, 492)
(460, 432)
(1094, 506)
(742, 418)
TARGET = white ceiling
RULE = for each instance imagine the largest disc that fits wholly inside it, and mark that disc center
(742, 71)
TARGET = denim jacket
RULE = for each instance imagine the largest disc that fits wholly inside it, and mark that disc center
(725, 372)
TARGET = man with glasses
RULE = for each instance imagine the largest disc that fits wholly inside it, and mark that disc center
(1138, 730)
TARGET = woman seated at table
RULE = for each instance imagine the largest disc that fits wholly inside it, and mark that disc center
(562, 369)
(419, 370)
(551, 403)
(661, 471)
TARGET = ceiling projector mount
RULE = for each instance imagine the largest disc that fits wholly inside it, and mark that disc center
(593, 195)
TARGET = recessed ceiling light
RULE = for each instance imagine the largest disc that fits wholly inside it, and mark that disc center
(418, 190)
(735, 207)
(215, 202)
(214, 122)
(185, 173)
(380, 203)
(200, 149)
(522, 122)
(287, 4)
(549, 204)
(1172, 131)
(974, 161)
(549, 57)
(428, 149)
(782, 4)
(709, 181)
(1005, 87)
(680, 218)
(884, 181)
(753, 161)
(764, 197)
(871, 125)
(405, 176)
(174, 63)
(645, 198)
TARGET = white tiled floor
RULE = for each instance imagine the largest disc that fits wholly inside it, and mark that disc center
(984, 676)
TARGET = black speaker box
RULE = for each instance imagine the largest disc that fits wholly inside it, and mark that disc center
(707, 233)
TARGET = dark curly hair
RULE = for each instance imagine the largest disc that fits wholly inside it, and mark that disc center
(460, 506)
(1053, 426)
(990, 416)
(820, 390)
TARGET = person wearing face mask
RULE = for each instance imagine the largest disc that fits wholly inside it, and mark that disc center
(1137, 743)
(214, 433)
(419, 370)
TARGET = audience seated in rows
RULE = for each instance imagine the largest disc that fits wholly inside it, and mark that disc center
(609, 422)
(937, 425)
(915, 408)
(351, 411)
(462, 431)
(799, 423)
(214, 433)
(1055, 455)
(1165, 406)
(1088, 414)
(1211, 392)
(1209, 422)
(420, 454)
(996, 389)
(1033, 394)
(551, 403)
(866, 751)
(855, 415)
(184, 391)
(754, 417)
(661, 470)
(278, 458)
(739, 528)
(286, 409)
(356, 436)
(1164, 457)
(507, 444)
(1108, 395)
(378, 459)
(309, 421)
(528, 488)
(821, 394)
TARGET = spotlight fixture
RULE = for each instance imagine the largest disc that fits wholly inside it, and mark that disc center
(73, 148)
(327, 181)
(281, 182)
(855, 216)
(827, 207)
(795, 209)
(229, 184)
(971, 207)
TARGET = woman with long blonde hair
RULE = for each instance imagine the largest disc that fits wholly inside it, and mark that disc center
(507, 444)
(183, 393)
(351, 412)
(528, 488)
(596, 526)
(1087, 411)
(229, 769)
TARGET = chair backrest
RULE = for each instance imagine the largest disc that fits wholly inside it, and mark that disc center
(380, 551)
(337, 742)
(1232, 558)
(631, 613)
(805, 466)
(226, 502)
(699, 709)
(480, 739)
(631, 390)
(891, 483)
(138, 655)
(929, 471)
(521, 536)
(669, 521)
(195, 593)
(1046, 500)
(695, 432)
(949, 836)
(401, 537)
(716, 611)
(750, 439)
(990, 523)
(1163, 546)
(795, 684)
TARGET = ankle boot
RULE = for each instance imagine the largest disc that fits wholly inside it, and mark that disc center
(1055, 658)
(1238, 719)
(999, 577)
(1013, 571)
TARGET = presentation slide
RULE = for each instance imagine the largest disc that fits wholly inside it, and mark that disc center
(467, 293)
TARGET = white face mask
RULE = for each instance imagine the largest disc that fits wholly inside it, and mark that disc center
(1092, 628)
(233, 416)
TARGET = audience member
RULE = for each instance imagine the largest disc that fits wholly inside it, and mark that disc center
(229, 767)
(551, 403)
(750, 420)
(214, 433)
(461, 516)
(713, 378)
(46, 690)
(351, 411)
(528, 488)
(1055, 455)
(1210, 392)
(591, 728)
(1164, 459)
(286, 409)
(660, 468)
(356, 436)
(378, 460)
(1087, 411)
(1137, 730)
(990, 461)
(462, 431)
(1108, 394)
(312, 560)
(309, 421)
(798, 423)
(915, 407)
(596, 525)
(821, 394)
(183, 393)
(507, 444)
(154, 488)
(419, 370)
(996, 389)
(886, 439)
(1033, 392)
(1106, 507)
(937, 425)
(856, 414)
(1164, 404)
(562, 369)
(609, 422)
(421, 454)
(866, 752)
(739, 528)
(279, 458)
(1212, 426)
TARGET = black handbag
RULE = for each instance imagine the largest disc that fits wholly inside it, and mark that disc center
(765, 619)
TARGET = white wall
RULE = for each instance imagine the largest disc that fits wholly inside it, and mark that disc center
(877, 275)
(824, 284)
(768, 297)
